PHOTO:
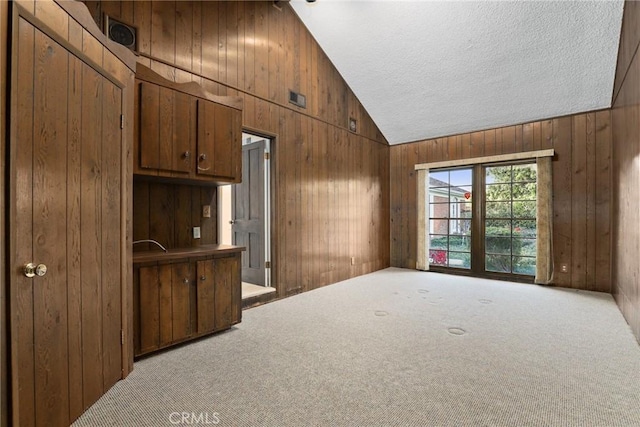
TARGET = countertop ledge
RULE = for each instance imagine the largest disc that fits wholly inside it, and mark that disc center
(178, 253)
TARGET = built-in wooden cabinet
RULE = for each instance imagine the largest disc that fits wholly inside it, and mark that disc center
(185, 140)
(184, 133)
(219, 141)
(184, 298)
(167, 130)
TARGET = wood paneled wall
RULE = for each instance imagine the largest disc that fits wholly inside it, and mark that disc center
(581, 186)
(167, 213)
(330, 213)
(626, 172)
(4, 360)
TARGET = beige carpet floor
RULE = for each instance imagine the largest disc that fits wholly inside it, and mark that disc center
(397, 348)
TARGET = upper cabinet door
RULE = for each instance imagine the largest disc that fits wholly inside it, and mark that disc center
(167, 131)
(219, 141)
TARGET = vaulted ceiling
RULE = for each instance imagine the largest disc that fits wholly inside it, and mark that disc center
(424, 69)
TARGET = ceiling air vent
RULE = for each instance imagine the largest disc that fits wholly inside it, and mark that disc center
(121, 33)
(297, 99)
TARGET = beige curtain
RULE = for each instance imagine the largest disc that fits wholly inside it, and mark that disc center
(544, 223)
(422, 257)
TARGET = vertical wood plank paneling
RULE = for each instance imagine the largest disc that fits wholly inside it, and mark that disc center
(49, 231)
(184, 34)
(196, 38)
(163, 28)
(180, 301)
(490, 142)
(161, 215)
(527, 137)
(519, 140)
(603, 201)
(477, 144)
(74, 283)
(578, 200)
(547, 134)
(149, 280)
(183, 217)
(508, 139)
(210, 44)
(111, 298)
(625, 171)
(562, 175)
(590, 196)
(22, 327)
(231, 18)
(141, 210)
(165, 284)
(249, 46)
(91, 225)
(222, 49)
(142, 20)
(240, 33)
(261, 49)
(464, 147)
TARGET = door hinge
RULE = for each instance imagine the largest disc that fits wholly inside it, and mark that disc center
(121, 121)
(122, 336)
(267, 264)
(267, 156)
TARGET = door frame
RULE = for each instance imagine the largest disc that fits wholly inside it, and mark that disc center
(271, 208)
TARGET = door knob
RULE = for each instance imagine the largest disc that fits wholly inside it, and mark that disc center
(232, 222)
(31, 270)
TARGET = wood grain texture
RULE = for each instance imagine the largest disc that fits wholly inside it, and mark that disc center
(72, 151)
(167, 213)
(581, 186)
(276, 53)
(4, 319)
(206, 296)
(625, 172)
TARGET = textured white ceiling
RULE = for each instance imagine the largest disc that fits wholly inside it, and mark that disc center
(424, 69)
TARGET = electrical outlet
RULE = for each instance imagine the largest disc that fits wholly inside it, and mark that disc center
(196, 232)
(564, 268)
(206, 211)
(353, 260)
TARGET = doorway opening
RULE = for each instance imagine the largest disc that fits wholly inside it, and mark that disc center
(244, 215)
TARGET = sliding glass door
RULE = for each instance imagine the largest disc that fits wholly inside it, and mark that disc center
(482, 219)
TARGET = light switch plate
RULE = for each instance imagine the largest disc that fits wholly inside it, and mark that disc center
(196, 232)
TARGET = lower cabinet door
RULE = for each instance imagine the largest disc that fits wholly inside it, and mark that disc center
(164, 305)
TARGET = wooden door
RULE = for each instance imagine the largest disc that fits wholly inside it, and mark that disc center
(166, 129)
(219, 140)
(249, 213)
(66, 199)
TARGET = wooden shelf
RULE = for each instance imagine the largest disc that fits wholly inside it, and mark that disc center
(182, 253)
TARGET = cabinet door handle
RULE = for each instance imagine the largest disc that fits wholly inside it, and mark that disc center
(202, 158)
(186, 154)
(185, 281)
(203, 278)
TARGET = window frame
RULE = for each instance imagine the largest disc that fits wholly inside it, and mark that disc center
(478, 221)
